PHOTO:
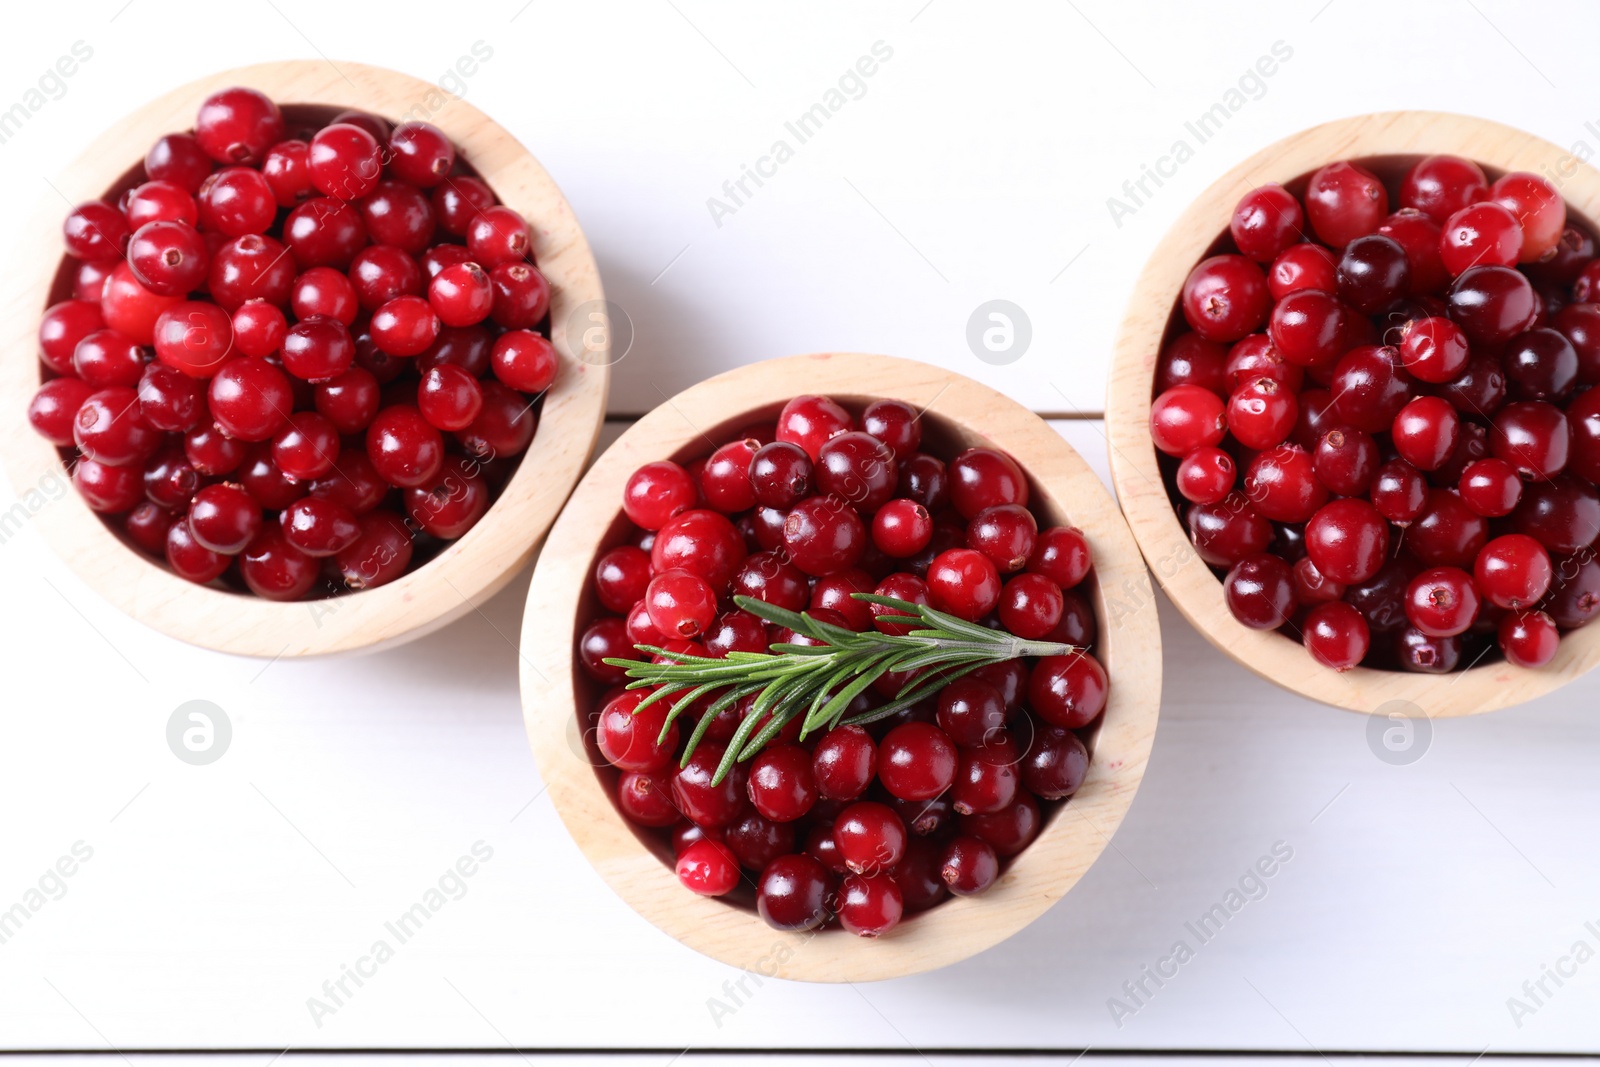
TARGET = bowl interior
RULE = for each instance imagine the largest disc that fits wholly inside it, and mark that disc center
(941, 437)
(1154, 317)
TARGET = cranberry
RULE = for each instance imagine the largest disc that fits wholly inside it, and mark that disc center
(236, 201)
(708, 868)
(504, 427)
(1442, 601)
(406, 450)
(420, 153)
(964, 583)
(1540, 365)
(53, 410)
(1538, 209)
(1433, 349)
(870, 837)
(680, 603)
(1337, 635)
(319, 527)
(1373, 273)
(1490, 487)
(1187, 417)
(1307, 327)
(1528, 639)
(1532, 436)
(1484, 234)
(897, 424)
(1031, 606)
(187, 557)
(349, 400)
(273, 569)
(1419, 236)
(870, 906)
(656, 492)
(1068, 691)
(1343, 202)
(253, 267)
(1260, 592)
(756, 842)
(1348, 540)
(1262, 413)
(287, 170)
(702, 542)
(109, 428)
(823, 535)
(1424, 654)
(844, 762)
(1225, 297)
(498, 235)
(344, 161)
(1447, 533)
(398, 214)
(95, 230)
(1370, 387)
(1267, 221)
(1283, 485)
(325, 232)
(1425, 432)
(983, 478)
(147, 526)
(1302, 266)
(1190, 359)
(1442, 185)
(794, 893)
(1492, 304)
(1206, 475)
(781, 784)
(1229, 530)
(177, 158)
(1563, 514)
(969, 865)
(250, 399)
(916, 761)
(985, 782)
(521, 295)
(105, 358)
(810, 421)
(238, 126)
(457, 200)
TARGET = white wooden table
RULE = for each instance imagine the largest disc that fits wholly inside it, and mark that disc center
(216, 900)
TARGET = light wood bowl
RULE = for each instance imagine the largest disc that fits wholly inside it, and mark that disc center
(1386, 143)
(960, 413)
(470, 569)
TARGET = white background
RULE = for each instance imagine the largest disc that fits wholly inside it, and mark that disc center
(977, 165)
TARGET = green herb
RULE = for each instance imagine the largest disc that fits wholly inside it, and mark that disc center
(816, 683)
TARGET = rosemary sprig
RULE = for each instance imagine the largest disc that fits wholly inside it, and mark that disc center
(816, 683)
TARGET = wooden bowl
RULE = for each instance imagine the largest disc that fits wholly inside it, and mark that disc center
(1387, 144)
(470, 569)
(960, 413)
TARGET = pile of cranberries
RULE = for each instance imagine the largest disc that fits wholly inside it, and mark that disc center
(1383, 426)
(861, 824)
(314, 353)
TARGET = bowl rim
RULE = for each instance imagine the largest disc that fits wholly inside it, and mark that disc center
(470, 569)
(1129, 645)
(1187, 581)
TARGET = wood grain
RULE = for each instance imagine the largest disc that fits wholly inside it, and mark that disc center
(960, 413)
(1387, 143)
(467, 572)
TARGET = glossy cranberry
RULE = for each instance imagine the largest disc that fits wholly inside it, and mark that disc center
(604, 639)
(680, 603)
(109, 428)
(1480, 390)
(1574, 598)
(1513, 571)
(1336, 635)
(253, 267)
(1206, 475)
(1373, 273)
(224, 518)
(1255, 357)
(844, 762)
(794, 893)
(1442, 185)
(969, 865)
(1490, 487)
(1055, 764)
(1185, 418)
(406, 326)
(190, 559)
(398, 214)
(250, 399)
(1307, 327)
(810, 421)
(708, 868)
(453, 502)
(983, 478)
(1225, 297)
(89, 281)
(379, 273)
(212, 452)
(344, 161)
(307, 446)
(986, 780)
(1068, 691)
(1528, 639)
(324, 232)
(1343, 202)
(1532, 436)
(1260, 592)
(1482, 234)
(1348, 540)
(1006, 533)
(965, 583)
(870, 905)
(461, 294)
(504, 427)
(406, 450)
(1282, 484)
(177, 158)
(1433, 349)
(287, 171)
(238, 126)
(1447, 533)
(916, 761)
(620, 577)
(1370, 387)
(902, 528)
(1562, 514)
(1492, 304)
(1580, 325)
(319, 527)
(349, 400)
(105, 358)
(170, 480)
(1031, 606)
(858, 468)
(147, 526)
(1425, 432)
(498, 235)
(900, 586)
(274, 569)
(236, 201)
(1190, 359)
(631, 739)
(656, 492)
(95, 230)
(896, 423)
(521, 295)
(756, 841)
(448, 397)
(195, 337)
(53, 410)
(1267, 221)
(1538, 208)
(168, 258)
(701, 542)
(456, 200)
(259, 328)
(1229, 530)
(1262, 413)
(419, 153)
(1301, 267)
(823, 535)
(1442, 601)
(781, 784)
(1346, 461)
(870, 837)
(1540, 365)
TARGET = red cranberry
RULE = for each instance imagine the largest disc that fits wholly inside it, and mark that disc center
(1343, 202)
(794, 893)
(1337, 635)
(1225, 297)
(1266, 221)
